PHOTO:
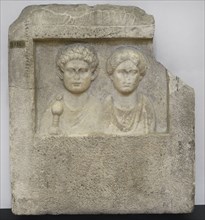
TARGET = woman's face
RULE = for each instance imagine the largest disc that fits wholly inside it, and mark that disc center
(126, 77)
(77, 76)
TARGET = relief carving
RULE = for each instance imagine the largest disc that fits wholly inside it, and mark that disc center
(78, 112)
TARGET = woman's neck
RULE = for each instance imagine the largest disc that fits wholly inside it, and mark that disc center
(125, 102)
(75, 101)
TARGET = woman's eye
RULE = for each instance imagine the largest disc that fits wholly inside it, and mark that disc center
(134, 72)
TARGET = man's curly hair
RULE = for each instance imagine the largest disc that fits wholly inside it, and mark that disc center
(122, 54)
(78, 52)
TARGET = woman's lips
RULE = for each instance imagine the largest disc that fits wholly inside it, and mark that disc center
(126, 85)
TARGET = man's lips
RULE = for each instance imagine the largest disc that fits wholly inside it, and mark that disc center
(76, 83)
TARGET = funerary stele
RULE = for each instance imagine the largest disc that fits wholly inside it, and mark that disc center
(97, 125)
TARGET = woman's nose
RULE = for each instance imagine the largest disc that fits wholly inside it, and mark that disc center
(127, 76)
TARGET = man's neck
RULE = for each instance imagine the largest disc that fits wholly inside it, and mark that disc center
(75, 101)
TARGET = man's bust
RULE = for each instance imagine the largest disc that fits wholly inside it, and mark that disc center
(75, 111)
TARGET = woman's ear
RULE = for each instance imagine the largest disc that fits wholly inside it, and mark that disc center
(141, 77)
(142, 74)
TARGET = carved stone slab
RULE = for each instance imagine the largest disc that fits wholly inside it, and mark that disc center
(97, 125)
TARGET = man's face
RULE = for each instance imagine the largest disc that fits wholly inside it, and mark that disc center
(77, 76)
(126, 77)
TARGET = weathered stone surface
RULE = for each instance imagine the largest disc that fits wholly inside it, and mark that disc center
(97, 125)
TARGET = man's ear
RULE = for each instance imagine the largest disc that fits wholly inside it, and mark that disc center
(60, 74)
(94, 74)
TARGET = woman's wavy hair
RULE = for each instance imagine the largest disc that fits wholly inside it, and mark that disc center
(122, 54)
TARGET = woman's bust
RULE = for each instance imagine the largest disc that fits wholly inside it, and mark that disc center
(126, 110)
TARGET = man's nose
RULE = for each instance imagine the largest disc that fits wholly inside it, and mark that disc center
(76, 75)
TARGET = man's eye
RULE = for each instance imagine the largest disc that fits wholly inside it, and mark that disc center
(70, 70)
(83, 70)
(122, 71)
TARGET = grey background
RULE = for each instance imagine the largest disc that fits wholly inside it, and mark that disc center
(178, 45)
